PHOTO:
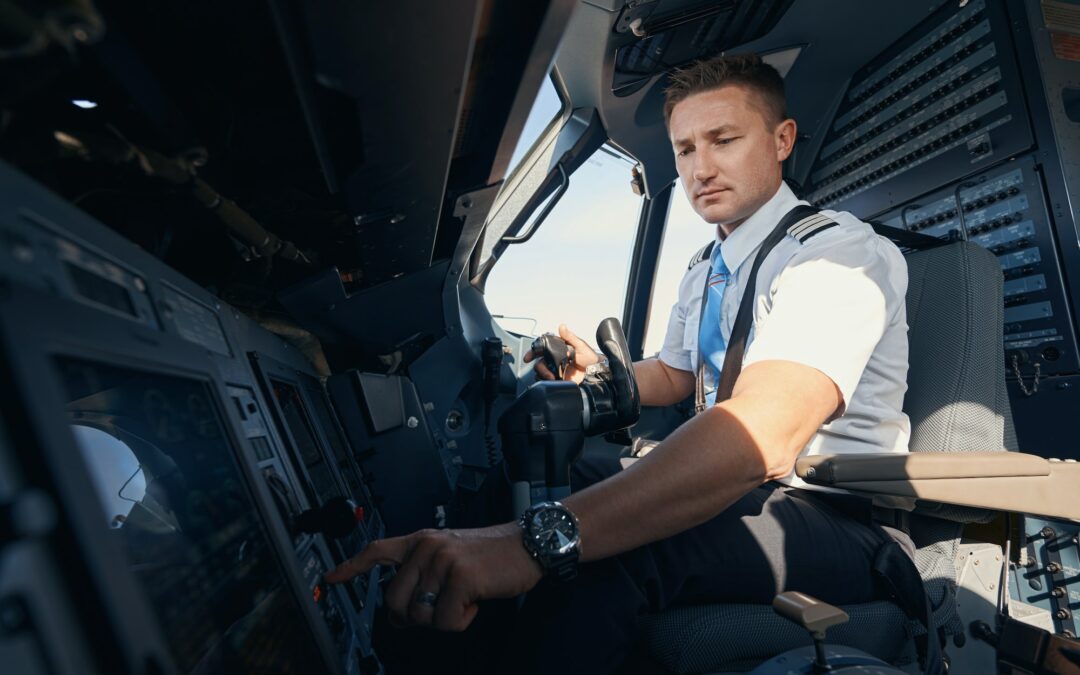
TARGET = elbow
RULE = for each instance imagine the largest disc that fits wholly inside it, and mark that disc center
(776, 471)
(780, 464)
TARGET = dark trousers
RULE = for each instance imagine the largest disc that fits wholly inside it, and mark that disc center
(772, 540)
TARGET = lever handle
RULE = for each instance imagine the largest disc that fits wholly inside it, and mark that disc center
(809, 612)
(557, 355)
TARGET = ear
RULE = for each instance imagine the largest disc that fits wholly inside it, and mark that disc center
(785, 139)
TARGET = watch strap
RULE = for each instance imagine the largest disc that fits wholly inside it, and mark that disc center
(563, 569)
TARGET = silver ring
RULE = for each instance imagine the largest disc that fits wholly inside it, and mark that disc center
(426, 598)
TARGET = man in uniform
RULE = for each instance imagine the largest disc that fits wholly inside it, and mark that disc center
(713, 513)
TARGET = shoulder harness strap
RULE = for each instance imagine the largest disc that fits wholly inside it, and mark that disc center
(802, 222)
(702, 255)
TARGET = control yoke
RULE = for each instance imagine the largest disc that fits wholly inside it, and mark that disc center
(544, 429)
(622, 385)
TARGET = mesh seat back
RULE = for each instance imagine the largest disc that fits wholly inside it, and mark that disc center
(956, 396)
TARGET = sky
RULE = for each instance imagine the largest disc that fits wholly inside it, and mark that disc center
(574, 270)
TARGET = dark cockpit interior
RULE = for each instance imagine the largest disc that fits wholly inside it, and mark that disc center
(269, 272)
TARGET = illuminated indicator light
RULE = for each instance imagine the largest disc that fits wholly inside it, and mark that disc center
(359, 513)
(84, 104)
(317, 593)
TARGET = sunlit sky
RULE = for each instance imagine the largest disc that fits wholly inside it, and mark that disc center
(574, 270)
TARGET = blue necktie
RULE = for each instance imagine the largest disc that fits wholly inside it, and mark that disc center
(711, 346)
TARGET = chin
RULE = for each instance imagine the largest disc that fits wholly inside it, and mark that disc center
(715, 215)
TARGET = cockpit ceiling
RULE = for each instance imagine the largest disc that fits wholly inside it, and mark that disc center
(672, 33)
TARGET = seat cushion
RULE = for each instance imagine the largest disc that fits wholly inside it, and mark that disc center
(708, 638)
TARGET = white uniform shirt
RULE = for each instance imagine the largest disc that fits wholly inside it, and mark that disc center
(834, 303)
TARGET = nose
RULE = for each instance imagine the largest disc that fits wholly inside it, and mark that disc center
(704, 167)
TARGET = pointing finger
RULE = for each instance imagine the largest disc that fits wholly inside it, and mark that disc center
(382, 552)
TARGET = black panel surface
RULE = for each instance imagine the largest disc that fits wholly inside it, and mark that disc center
(942, 103)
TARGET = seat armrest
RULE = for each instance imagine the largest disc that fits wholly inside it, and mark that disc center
(833, 469)
(1003, 481)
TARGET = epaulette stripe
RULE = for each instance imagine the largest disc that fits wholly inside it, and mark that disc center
(817, 230)
(809, 226)
(797, 229)
(702, 255)
(804, 224)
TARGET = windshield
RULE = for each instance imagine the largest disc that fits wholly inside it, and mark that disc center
(574, 270)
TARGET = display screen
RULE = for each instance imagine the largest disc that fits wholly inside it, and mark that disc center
(299, 424)
(173, 495)
(337, 443)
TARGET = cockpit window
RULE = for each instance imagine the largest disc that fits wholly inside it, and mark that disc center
(529, 165)
(545, 110)
(574, 269)
(684, 233)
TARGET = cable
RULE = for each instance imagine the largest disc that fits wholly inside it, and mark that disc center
(960, 207)
(903, 215)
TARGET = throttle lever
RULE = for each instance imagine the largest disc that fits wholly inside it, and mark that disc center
(555, 352)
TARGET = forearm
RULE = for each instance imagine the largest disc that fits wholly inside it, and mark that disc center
(660, 385)
(697, 472)
(708, 463)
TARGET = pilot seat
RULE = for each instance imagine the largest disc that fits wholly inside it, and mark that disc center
(957, 403)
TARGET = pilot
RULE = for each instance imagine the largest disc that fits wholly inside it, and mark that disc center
(714, 512)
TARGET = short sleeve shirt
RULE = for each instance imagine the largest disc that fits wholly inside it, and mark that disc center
(834, 302)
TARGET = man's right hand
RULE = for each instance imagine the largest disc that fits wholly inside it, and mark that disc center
(584, 356)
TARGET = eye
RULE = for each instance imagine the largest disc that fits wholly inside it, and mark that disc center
(725, 141)
(683, 153)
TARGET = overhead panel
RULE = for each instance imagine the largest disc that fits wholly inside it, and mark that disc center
(673, 33)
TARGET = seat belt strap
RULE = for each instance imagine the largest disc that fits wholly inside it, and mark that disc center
(801, 222)
(896, 572)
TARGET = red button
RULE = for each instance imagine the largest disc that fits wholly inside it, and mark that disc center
(359, 513)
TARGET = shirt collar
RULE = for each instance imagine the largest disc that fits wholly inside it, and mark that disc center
(748, 236)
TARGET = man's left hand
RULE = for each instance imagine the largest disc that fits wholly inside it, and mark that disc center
(443, 573)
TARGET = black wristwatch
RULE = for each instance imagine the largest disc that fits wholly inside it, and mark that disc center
(551, 535)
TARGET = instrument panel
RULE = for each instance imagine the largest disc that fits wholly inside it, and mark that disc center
(1004, 211)
(209, 444)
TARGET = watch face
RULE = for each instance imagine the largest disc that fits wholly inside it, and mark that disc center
(553, 529)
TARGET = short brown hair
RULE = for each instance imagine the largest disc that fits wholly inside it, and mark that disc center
(747, 70)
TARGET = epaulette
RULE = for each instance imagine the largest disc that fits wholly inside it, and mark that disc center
(809, 226)
(702, 255)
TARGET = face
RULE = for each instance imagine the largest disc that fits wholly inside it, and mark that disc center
(728, 153)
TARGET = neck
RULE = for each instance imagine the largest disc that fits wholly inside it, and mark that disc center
(725, 229)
